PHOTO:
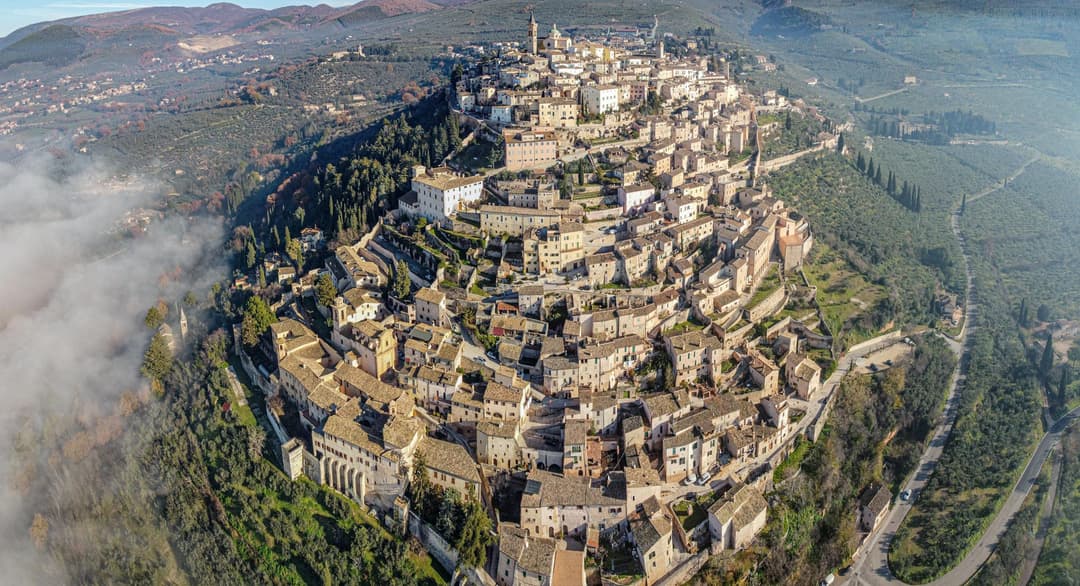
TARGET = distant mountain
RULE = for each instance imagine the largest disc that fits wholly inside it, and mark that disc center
(54, 45)
(378, 9)
(215, 19)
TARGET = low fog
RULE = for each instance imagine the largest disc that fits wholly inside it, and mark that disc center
(73, 294)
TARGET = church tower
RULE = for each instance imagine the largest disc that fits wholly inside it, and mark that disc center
(532, 33)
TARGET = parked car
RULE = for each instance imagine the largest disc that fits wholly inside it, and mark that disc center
(905, 495)
(704, 479)
(691, 478)
(480, 359)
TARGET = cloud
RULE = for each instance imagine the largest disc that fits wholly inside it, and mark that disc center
(74, 291)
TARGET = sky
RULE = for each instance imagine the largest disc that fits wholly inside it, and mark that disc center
(16, 14)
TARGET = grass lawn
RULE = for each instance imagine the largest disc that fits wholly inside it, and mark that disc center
(429, 570)
(794, 460)
(476, 156)
(245, 413)
(767, 286)
(683, 327)
(692, 512)
(589, 191)
(843, 294)
(980, 506)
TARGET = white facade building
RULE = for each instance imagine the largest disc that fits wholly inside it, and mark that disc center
(600, 99)
(440, 192)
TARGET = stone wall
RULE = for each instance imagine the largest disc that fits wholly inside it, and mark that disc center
(768, 306)
(603, 214)
(784, 161)
(685, 570)
(439, 549)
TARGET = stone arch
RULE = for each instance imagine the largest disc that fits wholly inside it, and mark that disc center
(541, 466)
(555, 468)
(352, 483)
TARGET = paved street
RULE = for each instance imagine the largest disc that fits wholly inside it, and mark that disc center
(872, 567)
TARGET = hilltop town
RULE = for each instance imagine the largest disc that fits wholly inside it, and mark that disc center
(607, 340)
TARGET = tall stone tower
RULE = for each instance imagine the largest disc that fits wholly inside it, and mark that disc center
(533, 33)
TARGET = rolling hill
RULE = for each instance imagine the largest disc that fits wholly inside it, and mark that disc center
(226, 18)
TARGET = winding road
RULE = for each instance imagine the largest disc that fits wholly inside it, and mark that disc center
(872, 566)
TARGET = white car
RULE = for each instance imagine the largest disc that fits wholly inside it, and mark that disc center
(905, 495)
(691, 478)
(704, 479)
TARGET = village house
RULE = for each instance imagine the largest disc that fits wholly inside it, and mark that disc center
(431, 307)
(555, 505)
(499, 444)
(439, 193)
(374, 345)
(651, 534)
(524, 560)
(529, 149)
(514, 221)
(694, 355)
(737, 517)
(803, 376)
(873, 506)
(450, 466)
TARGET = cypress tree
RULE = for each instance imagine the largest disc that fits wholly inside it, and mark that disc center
(1023, 313)
(1063, 385)
(860, 163)
(1047, 362)
(877, 176)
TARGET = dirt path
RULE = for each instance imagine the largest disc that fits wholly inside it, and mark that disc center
(1004, 183)
(880, 96)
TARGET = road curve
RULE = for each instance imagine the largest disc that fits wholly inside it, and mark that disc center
(872, 567)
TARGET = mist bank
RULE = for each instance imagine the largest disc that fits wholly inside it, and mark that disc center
(78, 277)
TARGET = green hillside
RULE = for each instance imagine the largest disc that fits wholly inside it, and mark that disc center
(55, 45)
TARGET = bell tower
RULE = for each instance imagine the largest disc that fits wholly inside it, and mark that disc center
(533, 33)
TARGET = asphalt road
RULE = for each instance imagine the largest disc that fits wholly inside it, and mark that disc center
(875, 569)
(1044, 521)
(872, 567)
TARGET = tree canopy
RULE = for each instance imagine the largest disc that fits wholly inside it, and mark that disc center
(158, 360)
(257, 319)
(325, 291)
